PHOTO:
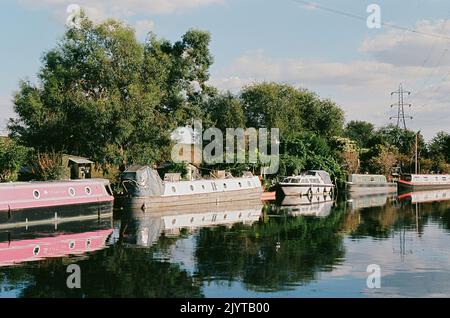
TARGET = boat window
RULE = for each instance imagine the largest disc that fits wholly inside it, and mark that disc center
(192, 220)
(225, 217)
(71, 192)
(214, 186)
(203, 186)
(72, 245)
(108, 189)
(224, 185)
(174, 189)
(87, 190)
(88, 242)
(249, 183)
(305, 181)
(36, 250)
(444, 178)
(192, 187)
(240, 185)
(36, 194)
(295, 181)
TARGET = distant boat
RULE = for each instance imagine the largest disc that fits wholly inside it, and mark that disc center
(144, 189)
(312, 182)
(410, 182)
(369, 184)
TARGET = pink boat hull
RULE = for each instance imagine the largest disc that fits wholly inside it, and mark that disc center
(31, 195)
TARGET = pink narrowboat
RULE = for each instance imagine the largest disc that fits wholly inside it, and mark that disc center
(34, 195)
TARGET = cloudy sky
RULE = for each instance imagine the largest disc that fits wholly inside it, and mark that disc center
(325, 48)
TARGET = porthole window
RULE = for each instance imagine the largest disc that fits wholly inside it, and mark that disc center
(36, 194)
(192, 187)
(240, 185)
(71, 192)
(88, 243)
(174, 190)
(36, 250)
(88, 190)
(72, 245)
(224, 185)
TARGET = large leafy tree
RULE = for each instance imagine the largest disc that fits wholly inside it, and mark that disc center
(360, 131)
(104, 95)
(282, 106)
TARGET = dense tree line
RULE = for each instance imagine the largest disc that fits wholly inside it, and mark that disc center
(103, 94)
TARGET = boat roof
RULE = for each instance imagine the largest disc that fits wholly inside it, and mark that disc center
(53, 182)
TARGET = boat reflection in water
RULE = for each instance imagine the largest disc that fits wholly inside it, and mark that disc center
(61, 238)
(318, 206)
(144, 229)
(426, 196)
(357, 202)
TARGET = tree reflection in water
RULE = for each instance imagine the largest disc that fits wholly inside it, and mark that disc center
(276, 253)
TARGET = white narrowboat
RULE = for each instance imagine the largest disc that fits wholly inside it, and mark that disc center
(366, 184)
(144, 189)
(424, 181)
(313, 182)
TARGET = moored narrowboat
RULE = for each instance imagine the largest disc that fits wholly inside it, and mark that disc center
(144, 189)
(33, 195)
(411, 182)
(366, 184)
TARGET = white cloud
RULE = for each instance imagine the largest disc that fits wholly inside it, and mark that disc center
(403, 48)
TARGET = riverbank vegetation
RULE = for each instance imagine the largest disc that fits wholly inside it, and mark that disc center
(104, 95)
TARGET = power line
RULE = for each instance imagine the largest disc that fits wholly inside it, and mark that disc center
(401, 117)
(364, 18)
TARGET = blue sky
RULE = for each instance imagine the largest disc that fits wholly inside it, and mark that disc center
(336, 56)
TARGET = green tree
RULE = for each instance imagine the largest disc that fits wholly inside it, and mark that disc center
(12, 157)
(282, 106)
(226, 111)
(360, 131)
(103, 95)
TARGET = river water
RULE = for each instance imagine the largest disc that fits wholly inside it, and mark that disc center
(297, 249)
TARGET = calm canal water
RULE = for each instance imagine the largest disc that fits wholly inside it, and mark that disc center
(301, 250)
